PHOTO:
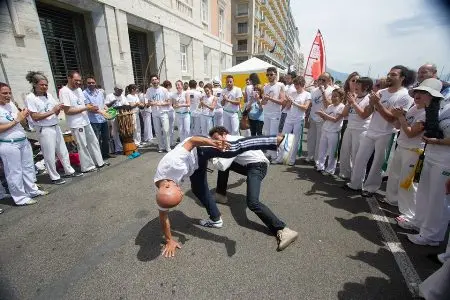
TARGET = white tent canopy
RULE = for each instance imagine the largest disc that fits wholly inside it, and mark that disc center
(253, 65)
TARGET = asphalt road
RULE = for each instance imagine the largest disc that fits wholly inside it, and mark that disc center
(98, 237)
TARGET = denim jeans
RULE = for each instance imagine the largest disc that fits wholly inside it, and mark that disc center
(255, 173)
(101, 131)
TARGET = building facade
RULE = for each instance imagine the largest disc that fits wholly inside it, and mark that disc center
(265, 29)
(115, 41)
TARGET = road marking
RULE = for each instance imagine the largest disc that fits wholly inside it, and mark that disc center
(392, 242)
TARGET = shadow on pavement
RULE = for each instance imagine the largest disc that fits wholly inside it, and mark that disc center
(150, 240)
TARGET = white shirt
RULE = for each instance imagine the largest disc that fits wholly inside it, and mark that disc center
(414, 115)
(317, 102)
(218, 93)
(206, 111)
(378, 126)
(248, 93)
(194, 97)
(272, 109)
(42, 104)
(8, 113)
(289, 90)
(133, 99)
(143, 99)
(121, 100)
(440, 154)
(233, 94)
(333, 111)
(354, 120)
(74, 98)
(158, 96)
(179, 99)
(177, 165)
(295, 114)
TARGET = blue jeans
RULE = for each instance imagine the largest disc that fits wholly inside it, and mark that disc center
(199, 182)
(101, 131)
(255, 173)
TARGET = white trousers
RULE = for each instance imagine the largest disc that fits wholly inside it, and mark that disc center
(184, 125)
(270, 127)
(296, 129)
(314, 133)
(171, 115)
(19, 170)
(437, 287)
(137, 128)
(52, 141)
(88, 148)
(432, 214)
(350, 145)
(206, 124)
(328, 144)
(115, 135)
(218, 117)
(401, 168)
(196, 125)
(148, 134)
(231, 122)
(162, 127)
(365, 150)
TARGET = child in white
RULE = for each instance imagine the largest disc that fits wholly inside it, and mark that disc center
(218, 110)
(194, 100)
(331, 129)
(159, 100)
(398, 190)
(181, 105)
(358, 122)
(147, 118)
(298, 102)
(207, 105)
(114, 100)
(230, 100)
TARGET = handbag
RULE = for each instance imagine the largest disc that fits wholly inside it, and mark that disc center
(244, 123)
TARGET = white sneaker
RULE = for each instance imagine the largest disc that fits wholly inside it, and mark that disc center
(29, 202)
(39, 193)
(420, 240)
(211, 223)
(222, 199)
(285, 237)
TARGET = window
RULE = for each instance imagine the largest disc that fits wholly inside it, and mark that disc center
(205, 11)
(183, 51)
(242, 27)
(242, 45)
(221, 20)
(242, 9)
(240, 59)
(185, 7)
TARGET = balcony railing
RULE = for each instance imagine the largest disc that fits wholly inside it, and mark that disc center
(184, 8)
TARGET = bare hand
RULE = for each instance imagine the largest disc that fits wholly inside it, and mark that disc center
(221, 145)
(22, 115)
(169, 248)
(431, 141)
(321, 88)
(397, 112)
(92, 108)
(351, 98)
(374, 98)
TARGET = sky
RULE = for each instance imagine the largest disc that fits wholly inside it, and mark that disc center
(359, 34)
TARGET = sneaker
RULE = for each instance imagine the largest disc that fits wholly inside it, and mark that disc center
(29, 202)
(347, 187)
(285, 237)
(160, 151)
(105, 164)
(39, 193)
(367, 194)
(291, 164)
(211, 223)
(1, 210)
(405, 224)
(58, 181)
(91, 170)
(343, 177)
(221, 198)
(325, 173)
(420, 240)
(75, 174)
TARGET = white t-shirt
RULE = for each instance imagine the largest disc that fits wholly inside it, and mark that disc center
(206, 111)
(248, 93)
(179, 99)
(121, 100)
(295, 114)
(289, 90)
(177, 165)
(378, 126)
(271, 109)
(317, 102)
(441, 153)
(143, 99)
(218, 93)
(133, 99)
(333, 111)
(159, 96)
(414, 115)
(194, 97)
(42, 104)
(8, 113)
(233, 94)
(74, 98)
(354, 120)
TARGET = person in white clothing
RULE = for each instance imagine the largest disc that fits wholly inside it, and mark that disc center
(218, 110)
(132, 93)
(15, 151)
(194, 99)
(44, 111)
(432, 214)
(331, 130)
(288, 88)
(181, 104)
(273, 100)
(159, 101)
(320, 98)
(116, 99)
(207, 105)
(168, 86)
(78, 121)
(298, 101)
(230, 100)
(380, 130)
(358, 122)
(146, 114)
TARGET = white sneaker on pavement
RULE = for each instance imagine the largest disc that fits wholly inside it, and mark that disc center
(39, 193)
(285, 237)
(420, 240)
(211, 223)
(222, 199)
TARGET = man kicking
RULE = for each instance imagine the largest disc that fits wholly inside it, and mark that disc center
(190, 158)
(252, 164)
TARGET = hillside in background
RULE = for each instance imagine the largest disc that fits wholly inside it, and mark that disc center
(337, 75)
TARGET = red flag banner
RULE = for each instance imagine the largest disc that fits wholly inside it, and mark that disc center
(316, 62)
